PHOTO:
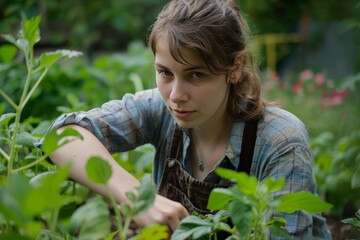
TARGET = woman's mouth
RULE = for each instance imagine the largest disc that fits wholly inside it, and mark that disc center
(181, 114)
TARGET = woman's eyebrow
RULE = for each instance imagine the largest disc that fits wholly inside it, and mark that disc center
(190, 68)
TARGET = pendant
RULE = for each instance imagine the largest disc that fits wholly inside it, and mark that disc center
(201, 166)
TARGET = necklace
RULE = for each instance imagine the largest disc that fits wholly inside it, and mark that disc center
(201, 165)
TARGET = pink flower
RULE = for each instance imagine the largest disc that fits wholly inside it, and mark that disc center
(306, 75)
(297, 87)
(319, 79)
(333, 98)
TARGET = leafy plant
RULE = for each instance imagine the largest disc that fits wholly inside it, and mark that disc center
(337, 169)
(99, 171)
(254, 201)
(37, 69)
(355, 221)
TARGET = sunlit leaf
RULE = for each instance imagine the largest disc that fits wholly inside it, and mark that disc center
(154, 232)
(305, 201)
(49, 58)
(30, 30)
(219, 198)
(247, 184)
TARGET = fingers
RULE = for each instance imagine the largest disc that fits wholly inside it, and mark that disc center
(164, 212)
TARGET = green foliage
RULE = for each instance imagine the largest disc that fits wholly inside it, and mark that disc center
(355, 221)
(254, 201)
(337, 168)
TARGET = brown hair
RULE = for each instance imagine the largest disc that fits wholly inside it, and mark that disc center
(219, 34)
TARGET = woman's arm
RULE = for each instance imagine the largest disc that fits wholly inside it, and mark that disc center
(163, 211)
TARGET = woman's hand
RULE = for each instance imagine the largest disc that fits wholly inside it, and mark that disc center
(165, 212)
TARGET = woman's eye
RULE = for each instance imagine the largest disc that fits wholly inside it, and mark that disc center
(164, 73)
(198, 75)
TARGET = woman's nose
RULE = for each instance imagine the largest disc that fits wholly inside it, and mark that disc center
(179, 92)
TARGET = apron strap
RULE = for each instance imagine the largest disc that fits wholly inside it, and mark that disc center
(247, 146)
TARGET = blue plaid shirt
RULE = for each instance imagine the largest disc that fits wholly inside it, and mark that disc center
(281, 148)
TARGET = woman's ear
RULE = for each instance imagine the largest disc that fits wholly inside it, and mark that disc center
(236, 73)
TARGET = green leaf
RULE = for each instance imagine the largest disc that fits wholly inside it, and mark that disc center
(25, 139)
(274, 184)
(355, 179)
(91, 219)
(10, 39)
(5, 118)
(191, 226)
(30, 30)
(305, 201)
(98, 170)
(49, 58)
(7, 53)
(241, 216)
(143, 199)
(154, 232)
(49, 183)
(219, 198)
(53, 140)
(246, 184)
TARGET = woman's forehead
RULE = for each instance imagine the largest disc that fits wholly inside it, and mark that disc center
(183, 55)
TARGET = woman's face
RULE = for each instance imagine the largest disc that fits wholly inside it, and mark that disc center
(195, 97)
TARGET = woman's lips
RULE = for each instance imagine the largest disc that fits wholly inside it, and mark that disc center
(181, 114)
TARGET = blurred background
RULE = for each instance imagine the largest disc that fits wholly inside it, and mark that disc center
(308, 52)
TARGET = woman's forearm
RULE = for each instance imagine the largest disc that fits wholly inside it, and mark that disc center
(79, 151)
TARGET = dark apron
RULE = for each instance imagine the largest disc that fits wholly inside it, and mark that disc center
(178, 185)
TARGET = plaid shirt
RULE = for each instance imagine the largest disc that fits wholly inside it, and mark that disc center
(281, 148)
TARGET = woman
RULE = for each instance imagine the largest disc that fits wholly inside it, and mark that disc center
(207, 92)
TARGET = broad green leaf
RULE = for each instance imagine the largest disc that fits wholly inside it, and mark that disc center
(191, 225)
(219, 198)
(91, 220)
(98, 170)
(25, 139)
(30, 30)
(53, 140)
(12, 195)
(154, 232)
(304, 201)
(241, 216)
(6, 117)
(274, 184)
(49, 183)
(247, 184)
(7, 53)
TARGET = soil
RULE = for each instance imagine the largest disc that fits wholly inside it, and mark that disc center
(341, 231)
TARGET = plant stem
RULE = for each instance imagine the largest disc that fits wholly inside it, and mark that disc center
(34, 87)
(116, 210)
(8, 99)
(126, 228)
(19, 108)
(2, 152)
(54, 217)
(28, 165)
